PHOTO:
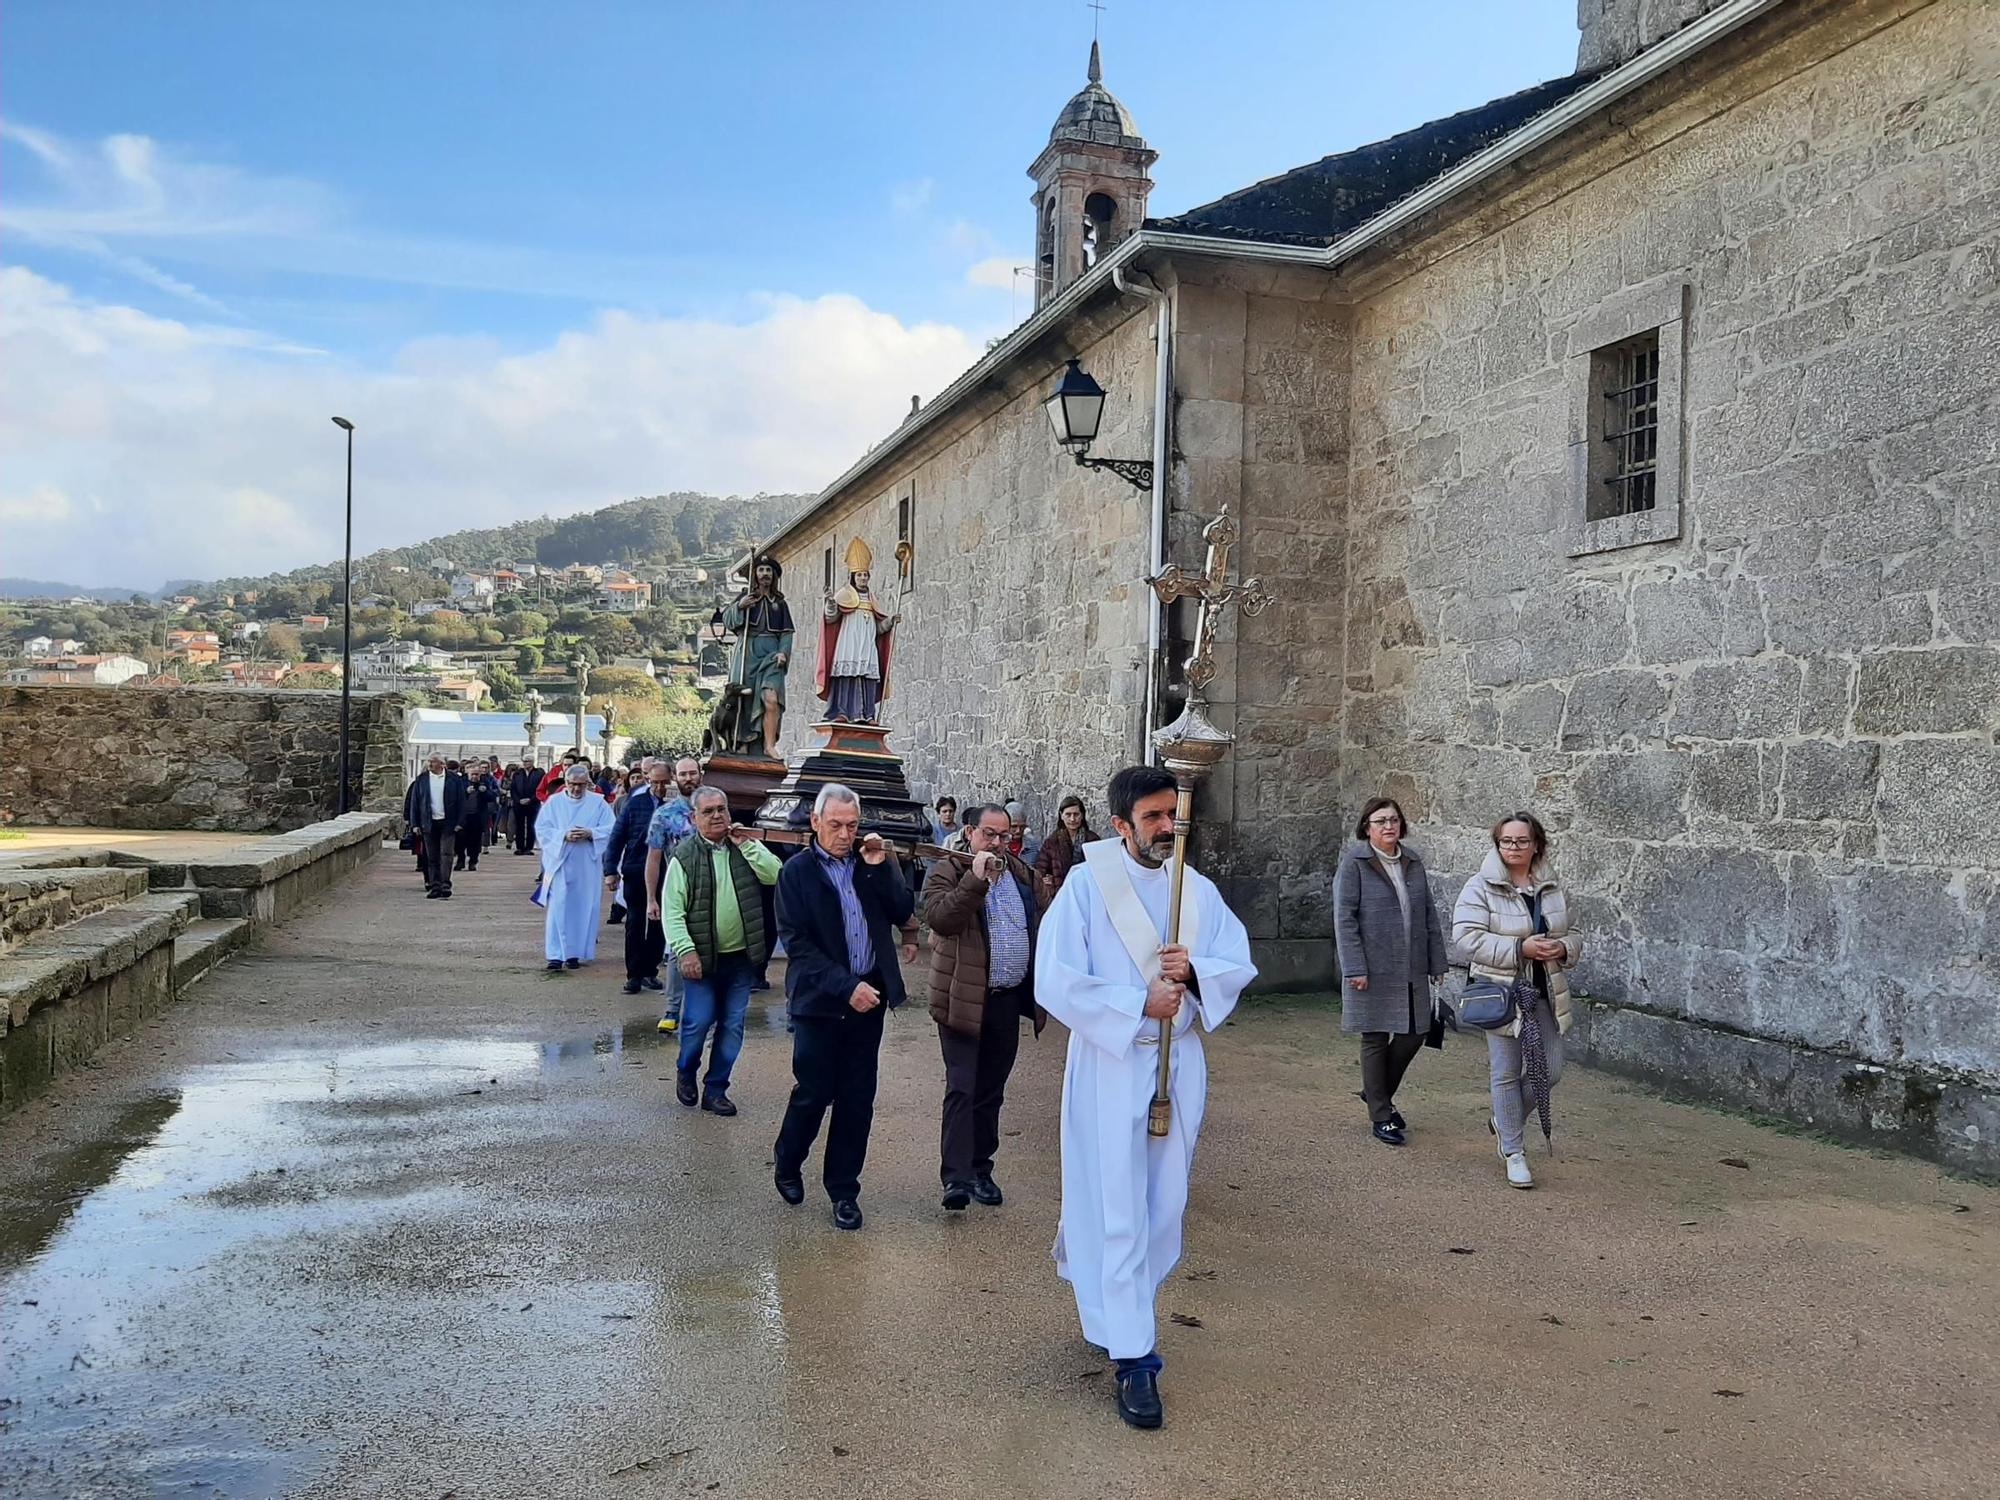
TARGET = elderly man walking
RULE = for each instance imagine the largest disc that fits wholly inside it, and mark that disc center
(434, 806)
(839, 906)
(715, 926)
(983, 919)
(573, 831)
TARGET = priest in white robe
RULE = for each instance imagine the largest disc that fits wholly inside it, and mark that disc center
(1105, 970)
(572, 831)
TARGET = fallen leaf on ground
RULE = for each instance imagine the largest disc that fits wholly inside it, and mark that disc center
(838, 1451)
(621, 1317)
(1459, 1250)
(1723, 1390)
(1186, 1321)
(1736, 1161)
(1199, 1276)
(1552, 1318)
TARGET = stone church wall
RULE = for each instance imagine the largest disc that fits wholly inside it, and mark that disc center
(1766, 749)
(1260, 373)
(203, 758)
(1017, 670)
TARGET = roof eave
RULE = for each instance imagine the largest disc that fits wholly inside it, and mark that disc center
(1545, 127)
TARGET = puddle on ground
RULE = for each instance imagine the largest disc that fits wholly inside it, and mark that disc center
(115, 1268)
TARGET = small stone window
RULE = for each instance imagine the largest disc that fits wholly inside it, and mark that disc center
(1631, 417)
(906, 533)
(827, 585)
(1625, 370)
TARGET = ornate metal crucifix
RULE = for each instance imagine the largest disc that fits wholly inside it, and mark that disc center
(1191, 747)
(1215, 592)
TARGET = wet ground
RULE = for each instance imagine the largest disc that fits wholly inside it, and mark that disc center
(382, 1210)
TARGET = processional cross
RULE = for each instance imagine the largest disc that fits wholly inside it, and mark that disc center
(1191, 747)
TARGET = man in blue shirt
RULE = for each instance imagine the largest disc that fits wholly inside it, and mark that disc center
(839, 905)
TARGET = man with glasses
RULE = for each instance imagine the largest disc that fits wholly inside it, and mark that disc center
(715, 928)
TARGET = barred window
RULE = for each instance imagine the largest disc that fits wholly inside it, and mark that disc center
(1631, 416)
(829, 570)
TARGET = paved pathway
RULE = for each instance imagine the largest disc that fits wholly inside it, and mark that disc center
(384, 1211)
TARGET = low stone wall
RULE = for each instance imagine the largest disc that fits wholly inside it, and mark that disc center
(65, 991)
(266, 881)
(1950, 1119)
(209, 758)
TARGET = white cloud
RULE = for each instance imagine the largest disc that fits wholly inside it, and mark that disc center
(909, 199)
(173, 449)
(996, 272)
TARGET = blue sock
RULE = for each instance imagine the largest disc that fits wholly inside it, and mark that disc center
(1150, 1363)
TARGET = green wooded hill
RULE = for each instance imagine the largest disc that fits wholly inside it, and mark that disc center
(651, 531)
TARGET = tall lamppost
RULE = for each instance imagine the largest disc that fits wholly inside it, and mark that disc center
(346, 613)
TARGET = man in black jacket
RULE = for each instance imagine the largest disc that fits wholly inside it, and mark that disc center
(433, 807)
(838, 911)
(471, 837)
(625, 878)
(522, 805)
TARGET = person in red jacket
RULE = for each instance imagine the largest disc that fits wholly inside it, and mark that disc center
(553, 781)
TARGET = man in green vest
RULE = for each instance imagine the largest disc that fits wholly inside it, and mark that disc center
(715, 930)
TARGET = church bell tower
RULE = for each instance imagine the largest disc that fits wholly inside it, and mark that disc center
(1090, 184)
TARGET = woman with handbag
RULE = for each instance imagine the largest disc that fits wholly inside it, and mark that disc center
(1390, 947)
(1512, 925)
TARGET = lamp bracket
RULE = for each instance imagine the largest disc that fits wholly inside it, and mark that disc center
(1137, 472)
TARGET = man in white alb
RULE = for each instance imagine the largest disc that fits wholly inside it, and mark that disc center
(1105, 970)
(572, 830)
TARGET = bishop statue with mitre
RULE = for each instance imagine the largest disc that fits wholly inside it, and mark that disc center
(853, 672)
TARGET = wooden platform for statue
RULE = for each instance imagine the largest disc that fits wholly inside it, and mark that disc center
(746, 779)
(857, 756)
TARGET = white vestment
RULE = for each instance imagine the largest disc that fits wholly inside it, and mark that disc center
(572, 874)
(1123, 1191)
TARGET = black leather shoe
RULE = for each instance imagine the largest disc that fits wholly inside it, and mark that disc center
(718, 1104)
(792, 1189)
(629, 987)
(555, 966)
(847, 1214)
(957, 1195)
(685, 1091)
(574, 963)
(650, 983)
(433, 894)
(1388, 1133)
(986, 1190)
(1139, 1399)
(1396, 1119)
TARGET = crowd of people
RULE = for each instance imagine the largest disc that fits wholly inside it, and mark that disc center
(1073, 924)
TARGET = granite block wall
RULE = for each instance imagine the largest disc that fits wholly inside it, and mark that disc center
(1767, 746)
(200, 758)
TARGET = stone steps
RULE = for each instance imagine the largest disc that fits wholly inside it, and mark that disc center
(43, 898)
(206, 943)
(92, 942)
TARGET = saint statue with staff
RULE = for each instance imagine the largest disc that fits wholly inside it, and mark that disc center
(853, 671)
(761, 621)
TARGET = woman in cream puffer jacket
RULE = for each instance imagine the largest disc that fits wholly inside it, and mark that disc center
(1511, 914)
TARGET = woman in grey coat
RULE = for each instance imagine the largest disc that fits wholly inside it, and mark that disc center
(1390, 946)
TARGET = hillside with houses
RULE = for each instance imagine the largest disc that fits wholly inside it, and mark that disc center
(476, 619)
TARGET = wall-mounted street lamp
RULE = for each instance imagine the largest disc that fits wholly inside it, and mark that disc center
(1075, 409)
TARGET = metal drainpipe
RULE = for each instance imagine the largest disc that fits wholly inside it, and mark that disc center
(1163, 384)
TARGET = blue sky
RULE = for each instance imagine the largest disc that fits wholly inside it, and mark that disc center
(453, 216)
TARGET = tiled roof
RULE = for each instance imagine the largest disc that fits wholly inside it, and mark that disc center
(1318, 203)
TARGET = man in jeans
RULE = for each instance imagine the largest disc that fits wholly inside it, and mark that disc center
(982, 919)
(673, 820)
(715, 926)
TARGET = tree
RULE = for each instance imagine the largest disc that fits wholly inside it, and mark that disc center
(626, 682)
(525, 624)
(282, 643)
(528, 658)
(509, 693)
